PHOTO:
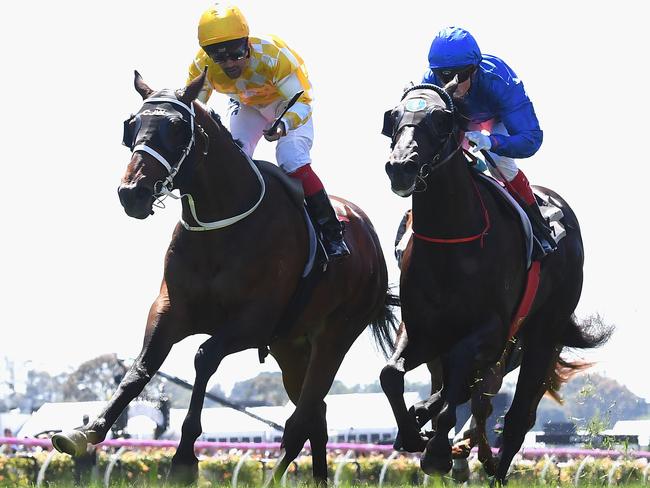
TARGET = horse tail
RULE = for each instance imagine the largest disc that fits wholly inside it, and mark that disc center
(589, 334)
(384, 325)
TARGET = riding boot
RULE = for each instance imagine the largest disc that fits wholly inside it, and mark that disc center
(541, 230)
(323, 214)
(543, 234)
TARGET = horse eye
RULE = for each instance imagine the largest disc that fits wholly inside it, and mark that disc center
(175, 133)
(131, 128)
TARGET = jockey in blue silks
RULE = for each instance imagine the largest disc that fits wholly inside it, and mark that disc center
(498, 115)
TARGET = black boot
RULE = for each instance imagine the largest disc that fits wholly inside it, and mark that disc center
(541, 231)
(322, 213)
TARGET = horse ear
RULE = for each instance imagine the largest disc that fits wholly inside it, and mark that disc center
(191, 91)
(141, 87)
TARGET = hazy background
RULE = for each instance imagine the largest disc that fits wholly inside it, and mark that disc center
(78, 275)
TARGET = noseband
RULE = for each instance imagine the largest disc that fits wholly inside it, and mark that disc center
(392, 130)
(164, 188)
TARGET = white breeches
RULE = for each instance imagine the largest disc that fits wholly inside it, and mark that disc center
(291, 151)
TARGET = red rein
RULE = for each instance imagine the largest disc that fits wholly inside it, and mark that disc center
(459, 240)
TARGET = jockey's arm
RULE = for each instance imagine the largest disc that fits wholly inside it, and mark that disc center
(300, 112)
(518, 116)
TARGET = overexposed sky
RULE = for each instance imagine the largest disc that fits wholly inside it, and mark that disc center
(77, 275)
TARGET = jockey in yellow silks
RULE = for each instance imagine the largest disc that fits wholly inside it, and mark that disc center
(260, 75)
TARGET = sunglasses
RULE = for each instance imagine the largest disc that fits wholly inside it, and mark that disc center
(222, 55)
(447, 74)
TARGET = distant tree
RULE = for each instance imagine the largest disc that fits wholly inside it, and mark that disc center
(589, 396)
(422, 388)
(94, 379)
(264, 389)
(339, 388)
(218, 391)
(43, 388)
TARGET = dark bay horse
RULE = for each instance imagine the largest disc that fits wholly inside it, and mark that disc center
(462, 279)
(232, 267)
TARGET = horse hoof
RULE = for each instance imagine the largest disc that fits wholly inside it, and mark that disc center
(460, 470)
(432, 465)
(490, 467)
(397, 445)
(497, 483)
(418, 444)
(183, 474)
(74, 442)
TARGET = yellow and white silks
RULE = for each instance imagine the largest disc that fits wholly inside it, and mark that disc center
(273, 75)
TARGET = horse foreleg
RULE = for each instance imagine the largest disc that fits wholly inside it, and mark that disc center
(405, 358)
(436, 457)
(429, 409)
(185, 464)
(157, 343)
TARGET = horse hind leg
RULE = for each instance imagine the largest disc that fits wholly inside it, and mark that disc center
(488, 385)
(293, 360)
(543, 370)
(184, 468)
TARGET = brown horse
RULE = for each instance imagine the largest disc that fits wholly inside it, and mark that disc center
(235, 280)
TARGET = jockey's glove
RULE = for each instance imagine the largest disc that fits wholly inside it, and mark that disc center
(274, 135)
(479, 140)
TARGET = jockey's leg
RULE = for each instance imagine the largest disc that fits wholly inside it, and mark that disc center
(518, 186)
(246, 126)
(321, 210)
(292, 154)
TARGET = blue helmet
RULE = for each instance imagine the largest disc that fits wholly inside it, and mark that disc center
(454, 47)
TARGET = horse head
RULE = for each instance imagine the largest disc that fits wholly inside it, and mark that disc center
(161, 137)
(421, 129)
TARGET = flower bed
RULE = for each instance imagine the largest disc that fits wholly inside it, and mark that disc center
(149, 466)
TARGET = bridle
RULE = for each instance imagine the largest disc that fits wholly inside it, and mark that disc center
(392, 130)
(164, 188)
(172, 170)
(427, 168)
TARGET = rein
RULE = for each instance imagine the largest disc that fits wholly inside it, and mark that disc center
(427, 168)
(460, 240)
(166, 186)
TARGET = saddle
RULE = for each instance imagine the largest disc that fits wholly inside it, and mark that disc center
(311, 274)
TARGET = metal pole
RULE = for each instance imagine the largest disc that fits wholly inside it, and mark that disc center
(111, 464)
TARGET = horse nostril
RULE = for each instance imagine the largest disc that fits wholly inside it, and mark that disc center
(411, 167)
(130, 195)
(142, 193)
(389, 169)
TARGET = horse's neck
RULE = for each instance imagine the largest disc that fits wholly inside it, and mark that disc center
(449, 206)
(223, 185)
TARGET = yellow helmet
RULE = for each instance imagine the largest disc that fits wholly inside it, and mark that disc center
(221, 23)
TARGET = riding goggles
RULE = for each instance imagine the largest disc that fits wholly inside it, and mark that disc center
(222, 52)
(447, 74)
